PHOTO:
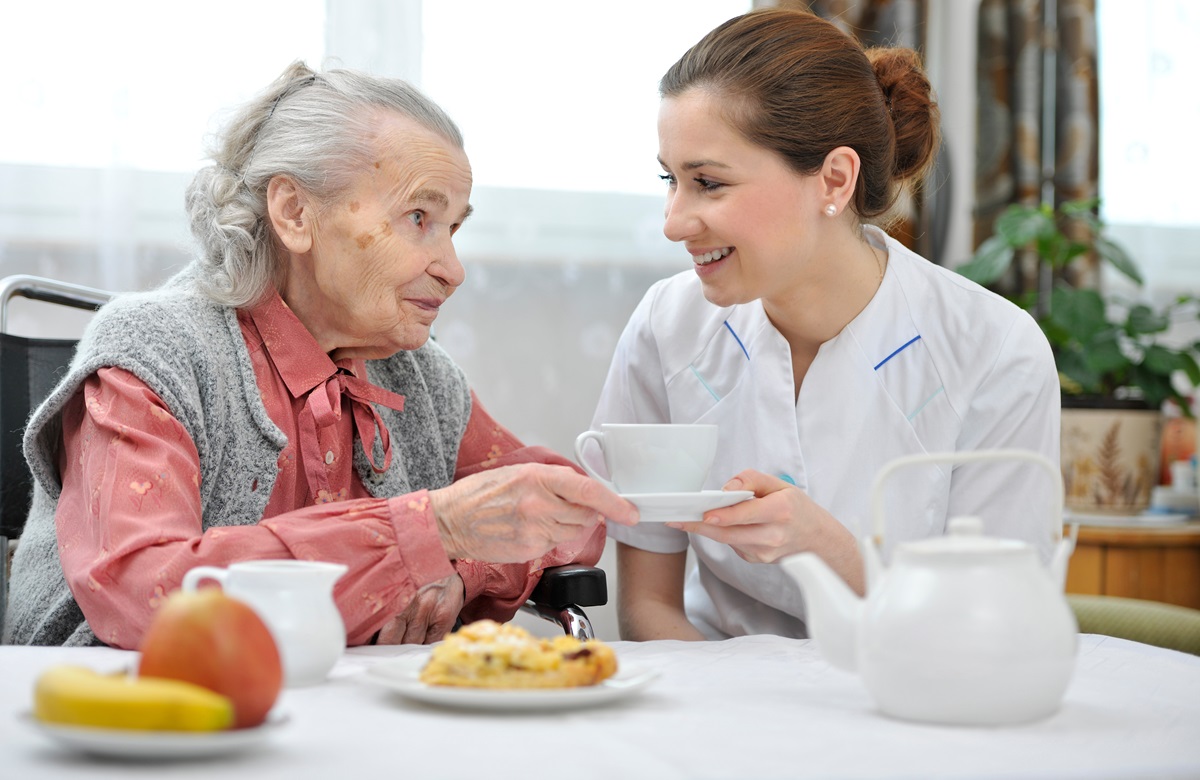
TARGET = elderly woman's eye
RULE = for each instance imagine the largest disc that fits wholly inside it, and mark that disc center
(417, 218)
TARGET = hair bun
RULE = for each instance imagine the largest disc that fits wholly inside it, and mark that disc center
(914, 112)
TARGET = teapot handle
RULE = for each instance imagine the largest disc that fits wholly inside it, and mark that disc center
(965, 457)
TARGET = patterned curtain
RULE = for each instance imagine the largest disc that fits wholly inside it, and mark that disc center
(888, 23)
(1037, 141)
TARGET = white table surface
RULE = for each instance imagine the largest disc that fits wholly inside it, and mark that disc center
(753, 707)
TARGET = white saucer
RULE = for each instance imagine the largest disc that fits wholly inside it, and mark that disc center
(683, 507)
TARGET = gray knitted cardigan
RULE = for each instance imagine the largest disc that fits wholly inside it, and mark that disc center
(190, 352)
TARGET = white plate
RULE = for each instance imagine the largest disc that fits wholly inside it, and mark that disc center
(402, 675)
(1147, 518)
(157, 745)
(683, 507)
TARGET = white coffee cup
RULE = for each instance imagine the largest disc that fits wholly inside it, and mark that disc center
(652, 458)
(295, 600)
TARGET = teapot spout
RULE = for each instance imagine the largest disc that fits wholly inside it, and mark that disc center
(833, 610)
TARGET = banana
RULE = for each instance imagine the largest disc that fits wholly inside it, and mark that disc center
(74, 695)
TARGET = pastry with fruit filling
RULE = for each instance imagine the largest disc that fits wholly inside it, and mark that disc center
(487, 654)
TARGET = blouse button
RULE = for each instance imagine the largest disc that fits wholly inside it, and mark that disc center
(329, 457)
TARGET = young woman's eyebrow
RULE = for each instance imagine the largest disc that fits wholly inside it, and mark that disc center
(693, 165)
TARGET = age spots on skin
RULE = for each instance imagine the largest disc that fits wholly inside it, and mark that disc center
(364, 240)
(354, 206)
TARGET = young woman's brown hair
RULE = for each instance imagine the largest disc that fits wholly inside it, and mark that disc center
(797, 85)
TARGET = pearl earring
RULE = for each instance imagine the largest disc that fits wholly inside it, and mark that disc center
(831, 210)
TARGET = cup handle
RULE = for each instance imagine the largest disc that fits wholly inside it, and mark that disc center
(198, 574)
(579, 442)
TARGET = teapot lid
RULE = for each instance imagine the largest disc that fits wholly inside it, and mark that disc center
(965, 535)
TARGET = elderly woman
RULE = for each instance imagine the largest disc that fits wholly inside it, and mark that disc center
(280, 397)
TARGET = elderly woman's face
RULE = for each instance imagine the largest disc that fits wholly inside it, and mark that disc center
(383, 261)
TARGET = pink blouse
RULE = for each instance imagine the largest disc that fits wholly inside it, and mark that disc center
(129, 518)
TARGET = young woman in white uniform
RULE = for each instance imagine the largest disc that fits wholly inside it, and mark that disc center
(822, 348)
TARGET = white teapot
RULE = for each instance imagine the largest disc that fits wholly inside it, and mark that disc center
(960, 629)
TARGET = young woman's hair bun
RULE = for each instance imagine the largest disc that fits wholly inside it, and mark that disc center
(914, 112)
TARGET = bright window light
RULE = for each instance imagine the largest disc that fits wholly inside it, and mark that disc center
(137, 83)
(557, 95)
(1149, 112)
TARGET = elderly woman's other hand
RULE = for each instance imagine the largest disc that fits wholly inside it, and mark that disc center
(429, 616)
(518, 513)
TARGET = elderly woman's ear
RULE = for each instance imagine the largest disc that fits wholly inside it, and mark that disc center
(292, 214)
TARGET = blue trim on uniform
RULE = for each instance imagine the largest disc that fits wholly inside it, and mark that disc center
(936, 393)
(739, 341)
(911, 341)
(706, 387)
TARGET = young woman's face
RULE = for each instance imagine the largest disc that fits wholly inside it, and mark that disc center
(383, 261)
(749, 221)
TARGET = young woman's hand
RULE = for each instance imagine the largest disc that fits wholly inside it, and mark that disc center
(779, 521)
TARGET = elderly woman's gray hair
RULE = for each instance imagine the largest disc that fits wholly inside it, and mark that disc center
(316, 128)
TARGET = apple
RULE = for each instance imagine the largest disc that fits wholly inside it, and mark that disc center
(217, 642)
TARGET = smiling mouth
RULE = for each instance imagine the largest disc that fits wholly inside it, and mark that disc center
(713, 256)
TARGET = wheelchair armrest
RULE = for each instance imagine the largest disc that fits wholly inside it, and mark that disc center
(572, 584)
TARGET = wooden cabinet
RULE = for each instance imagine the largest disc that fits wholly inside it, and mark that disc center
(1159, 564)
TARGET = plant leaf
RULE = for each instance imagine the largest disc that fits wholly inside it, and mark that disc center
(1073, 250)
(1162, 360)
(1119, 259)
(990, 261)
(1053, 249)
(1082, 208)
(1083, 211)
(1080, 312)
(1074, 372)
(1191, 368)
(1155, 387)
(1103, 354)
(1021, 225)
(1142, 320)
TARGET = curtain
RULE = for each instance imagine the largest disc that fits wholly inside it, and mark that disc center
(1037, 123)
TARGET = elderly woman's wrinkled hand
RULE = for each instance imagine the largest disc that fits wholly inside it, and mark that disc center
(429, 616)
(517, 513)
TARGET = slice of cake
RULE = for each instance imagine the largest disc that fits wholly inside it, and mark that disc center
(487, 654)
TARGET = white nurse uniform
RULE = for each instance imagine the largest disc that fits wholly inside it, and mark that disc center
(934, 363)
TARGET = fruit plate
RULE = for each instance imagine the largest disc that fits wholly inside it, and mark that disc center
(155, 745)
(402, 676)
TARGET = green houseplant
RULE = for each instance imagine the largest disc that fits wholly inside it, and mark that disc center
(1114, 368)
(1104, 348)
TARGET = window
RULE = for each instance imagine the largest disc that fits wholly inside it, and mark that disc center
(134, 84)
(106, 111)
(1148, 115)
(557, 102)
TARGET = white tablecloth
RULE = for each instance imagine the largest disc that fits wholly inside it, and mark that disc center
(754, 707)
